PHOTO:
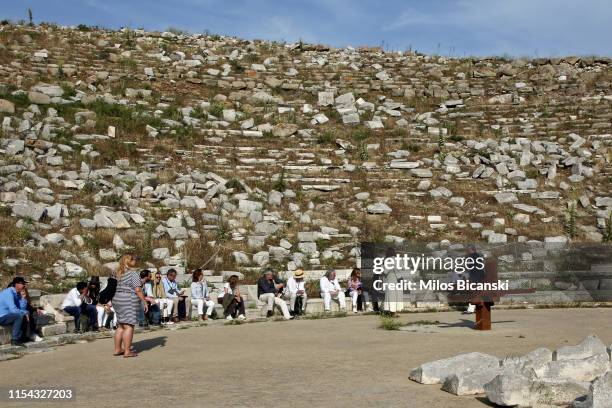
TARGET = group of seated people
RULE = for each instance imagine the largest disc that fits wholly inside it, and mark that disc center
(273, 292)
(168, 304)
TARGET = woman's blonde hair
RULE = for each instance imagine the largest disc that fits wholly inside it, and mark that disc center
(123, 264)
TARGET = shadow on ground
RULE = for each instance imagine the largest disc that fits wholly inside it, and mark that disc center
(149, 344)
(468, 323)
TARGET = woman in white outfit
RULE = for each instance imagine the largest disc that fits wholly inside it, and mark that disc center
(200, 295)
(104, 313)
(330, 289)
(394, 298)
(159, 294)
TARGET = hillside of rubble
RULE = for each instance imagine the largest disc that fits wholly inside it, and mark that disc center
(205, 150)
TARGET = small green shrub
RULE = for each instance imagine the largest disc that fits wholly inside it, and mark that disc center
(216, 109)
(326, 137)
(389, 323)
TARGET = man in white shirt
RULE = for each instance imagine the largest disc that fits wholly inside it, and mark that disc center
(74, 306)
(296, 288)
(175, 294)
(330, 289)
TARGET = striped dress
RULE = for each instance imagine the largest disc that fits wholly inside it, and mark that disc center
(125, 302)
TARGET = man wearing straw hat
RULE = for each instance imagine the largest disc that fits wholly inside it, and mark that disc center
(296, 293)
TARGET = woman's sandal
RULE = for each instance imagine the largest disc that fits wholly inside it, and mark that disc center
(118, 354)
(130, 355)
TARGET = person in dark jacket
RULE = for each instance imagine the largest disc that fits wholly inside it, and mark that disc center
(475, 272)
(269, 291)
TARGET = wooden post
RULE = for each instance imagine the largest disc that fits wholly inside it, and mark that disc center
(485, 316)
(483, 307)
(478, 316)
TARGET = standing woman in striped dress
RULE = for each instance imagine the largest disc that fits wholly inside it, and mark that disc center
(127, 303)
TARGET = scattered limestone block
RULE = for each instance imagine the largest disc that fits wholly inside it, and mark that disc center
(586, 369)
(600, 393)
(515, 389)
(470, 382)
(590, 346)
(504, 198)
(379, 208)
(436, 372)
(535, 359)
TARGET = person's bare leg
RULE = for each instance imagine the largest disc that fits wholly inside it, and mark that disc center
(128, 334)
(118, 339)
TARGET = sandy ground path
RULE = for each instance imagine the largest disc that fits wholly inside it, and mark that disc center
(344, 362)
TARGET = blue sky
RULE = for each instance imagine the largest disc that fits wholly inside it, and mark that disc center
(457, 27)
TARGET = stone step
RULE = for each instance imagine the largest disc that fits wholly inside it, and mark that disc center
(53, 329)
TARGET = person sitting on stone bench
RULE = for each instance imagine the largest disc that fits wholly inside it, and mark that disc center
(331, 289)
(13, 310)
(77, 302)
(200, 295)
(359, 297)
(269, 291)
(159, 294)
(173, 293)
(36, 318)
(151, 316)
(232, 301)
(296, 293)
(154, 315)
(104, 312)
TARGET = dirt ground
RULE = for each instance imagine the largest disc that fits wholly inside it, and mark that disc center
(346, 362)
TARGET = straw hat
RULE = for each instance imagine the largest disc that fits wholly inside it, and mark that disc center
(299, 274)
